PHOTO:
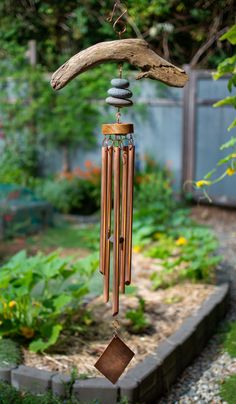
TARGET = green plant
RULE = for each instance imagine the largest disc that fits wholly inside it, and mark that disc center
(186, 253)
(227, 390)
(71, 196)
(229, 339)
(68, 236)
(138, 320)
(10, 353)
(228, 163)
(9, 395)
(40, 294)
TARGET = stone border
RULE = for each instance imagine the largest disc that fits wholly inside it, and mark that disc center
(150, 379)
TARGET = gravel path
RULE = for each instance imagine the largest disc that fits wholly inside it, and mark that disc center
(200, 383)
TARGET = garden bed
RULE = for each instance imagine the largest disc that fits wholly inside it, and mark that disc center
(164, 312)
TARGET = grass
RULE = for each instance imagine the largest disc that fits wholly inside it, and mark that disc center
(68, 236)
(228, 390)
(229, 340)
(10, 353)
(9, 395)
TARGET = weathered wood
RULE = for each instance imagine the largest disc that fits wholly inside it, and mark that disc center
(134, 51)
(117, 128)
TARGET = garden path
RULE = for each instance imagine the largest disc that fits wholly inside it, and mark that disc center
(200, 383)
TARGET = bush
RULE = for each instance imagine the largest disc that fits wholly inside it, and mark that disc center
(39, 295)
(74, 192)
(164, 230)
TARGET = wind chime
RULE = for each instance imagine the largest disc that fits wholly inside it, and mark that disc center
(118, 156)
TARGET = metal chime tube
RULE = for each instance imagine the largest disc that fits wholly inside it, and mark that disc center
(108, 224)
(130, 191)
(124, 217)
(103, 210)
(116, 238)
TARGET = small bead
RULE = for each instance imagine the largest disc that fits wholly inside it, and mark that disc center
(120, 93)
(120, 83)
(118, 102)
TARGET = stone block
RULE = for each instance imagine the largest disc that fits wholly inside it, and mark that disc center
(95, 389)
(36, 381)
(61, 385)
(5, 373)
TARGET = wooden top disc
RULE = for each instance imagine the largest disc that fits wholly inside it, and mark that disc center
(117, 128)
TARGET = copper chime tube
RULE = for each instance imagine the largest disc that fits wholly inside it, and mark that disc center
(131, 154)
(123, 210)
(103, 210)
(124, 217)
(116, 245)
(108, 224)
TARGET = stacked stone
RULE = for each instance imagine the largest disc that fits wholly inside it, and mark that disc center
(119, 94)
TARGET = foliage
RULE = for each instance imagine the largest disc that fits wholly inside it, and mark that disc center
(227, 390)
(186, 253)
(176, 29)
(153, 201)
(164, 230)
(229, 339)
(74, 192)
(138, 320)
(65, 236)
(10, 353)
(9, 395)
(227, 66)
(39, 295)
(32, 115)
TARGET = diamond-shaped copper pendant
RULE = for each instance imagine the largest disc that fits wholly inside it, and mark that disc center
(114, 359)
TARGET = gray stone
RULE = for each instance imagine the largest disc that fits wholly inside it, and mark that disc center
(120, 83)
(61, 385)
(5, 373)
(95, 389)
(25, 378)
(118, 102)
(119, 93)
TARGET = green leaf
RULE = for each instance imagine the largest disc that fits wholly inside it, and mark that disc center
(226, 101)
(228, 144)
(230, 35)
(40, 346)
(209, 175)
(61, 301)
(233, 125)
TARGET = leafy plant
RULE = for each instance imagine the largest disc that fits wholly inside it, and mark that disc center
(164, 230)
(77, 191)
(229, 339)
(226, 67)
(40, 294)
(227, 390)
(32, 115)
(10, 353)
(138, 320)
(187, 253)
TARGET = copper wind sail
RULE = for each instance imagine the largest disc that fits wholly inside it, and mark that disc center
(117, 192)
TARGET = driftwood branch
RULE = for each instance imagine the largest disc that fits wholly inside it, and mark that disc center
(134, 51)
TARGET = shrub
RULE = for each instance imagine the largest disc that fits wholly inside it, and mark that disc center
(74, 192)
(39, 295)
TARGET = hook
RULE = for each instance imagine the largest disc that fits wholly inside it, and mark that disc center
(118, 21)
